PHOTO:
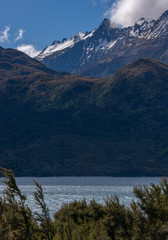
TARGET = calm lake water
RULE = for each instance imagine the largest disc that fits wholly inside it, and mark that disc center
(59, 190)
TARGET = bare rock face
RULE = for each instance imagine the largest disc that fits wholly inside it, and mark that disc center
(104, 50)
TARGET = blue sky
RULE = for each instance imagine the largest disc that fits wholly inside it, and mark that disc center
(40, 22)
(37, 23)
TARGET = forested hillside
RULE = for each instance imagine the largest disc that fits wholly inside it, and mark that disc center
(57, 124)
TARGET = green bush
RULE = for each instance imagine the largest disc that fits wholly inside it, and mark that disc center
(145, 219)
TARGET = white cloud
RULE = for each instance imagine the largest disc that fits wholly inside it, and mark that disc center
(127, 12)
(4, 35)
(29, 49)
(20, 35)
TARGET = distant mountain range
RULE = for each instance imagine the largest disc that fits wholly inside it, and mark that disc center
(58, 124)
(103, 51)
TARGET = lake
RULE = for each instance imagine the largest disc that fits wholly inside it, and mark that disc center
(59, 190)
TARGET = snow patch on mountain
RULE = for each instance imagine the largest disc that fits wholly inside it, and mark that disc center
(60, 46)
(111, 44)
(92, 46)
(147, 28)
(89, 34)
(102, 44)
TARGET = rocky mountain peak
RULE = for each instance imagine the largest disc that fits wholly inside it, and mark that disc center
(56, 42)
(107, 24)
(143, 20)
(79, 36)
(109, 46)
(164, 15)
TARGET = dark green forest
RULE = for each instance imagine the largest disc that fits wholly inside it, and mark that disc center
(59, 124)
(145, 219)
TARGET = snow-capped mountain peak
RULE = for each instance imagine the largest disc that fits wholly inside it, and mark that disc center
(58, 46)
(108, 42)
(143, 21)
(149, 29)
(79, 36)
(164, 15)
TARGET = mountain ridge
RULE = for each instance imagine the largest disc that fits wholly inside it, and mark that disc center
(107, 48)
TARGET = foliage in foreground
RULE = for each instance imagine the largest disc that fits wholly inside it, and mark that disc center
(145, 219)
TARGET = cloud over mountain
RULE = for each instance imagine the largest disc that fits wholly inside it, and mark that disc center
(29, 49)
(127, 12)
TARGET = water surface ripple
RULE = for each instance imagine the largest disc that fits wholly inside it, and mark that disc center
(60, 190)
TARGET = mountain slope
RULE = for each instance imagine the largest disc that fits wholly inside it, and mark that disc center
(13, 62)
(60, 124)
(101, 52)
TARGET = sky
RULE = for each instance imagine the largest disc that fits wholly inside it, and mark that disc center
(31, 25)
